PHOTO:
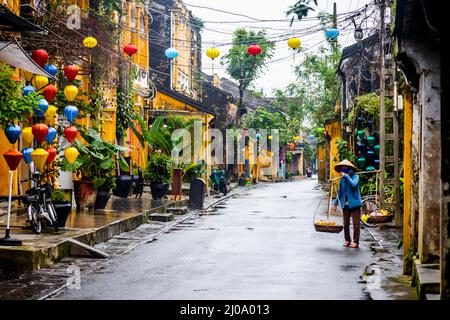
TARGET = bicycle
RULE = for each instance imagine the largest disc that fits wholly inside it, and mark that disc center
(40, 208)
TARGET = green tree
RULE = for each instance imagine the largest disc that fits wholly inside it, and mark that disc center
(301, 9)
(243, 67)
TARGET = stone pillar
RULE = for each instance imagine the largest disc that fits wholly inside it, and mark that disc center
(430, 168)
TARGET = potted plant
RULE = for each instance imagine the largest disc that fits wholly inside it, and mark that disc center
(97, 167)
(159, 172)
(62, 206)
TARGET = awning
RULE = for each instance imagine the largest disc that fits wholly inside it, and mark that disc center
(11, 22)
(13, 54)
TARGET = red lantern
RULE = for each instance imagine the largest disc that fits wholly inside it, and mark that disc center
(130, 49)
(70, 133)
(71, 72)
(40, 132)
(40, 57)
(13, 158)
(51, 154)
(254, 50)
(50, 92)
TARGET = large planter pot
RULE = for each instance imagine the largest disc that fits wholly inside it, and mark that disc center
(159, 190)
(63, 210)
(102, 199)
(123, 186)
(85, 194)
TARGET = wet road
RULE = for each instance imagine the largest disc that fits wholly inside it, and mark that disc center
(259, 245)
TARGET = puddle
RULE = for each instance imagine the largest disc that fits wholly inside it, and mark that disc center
(349, 267)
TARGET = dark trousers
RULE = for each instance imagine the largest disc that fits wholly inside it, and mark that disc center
(355, 213)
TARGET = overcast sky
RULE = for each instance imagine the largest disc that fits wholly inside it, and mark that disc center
(279, 73)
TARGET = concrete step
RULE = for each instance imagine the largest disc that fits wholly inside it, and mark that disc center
(177, 210)
(427, 278)
(161, 217)
(432, 296)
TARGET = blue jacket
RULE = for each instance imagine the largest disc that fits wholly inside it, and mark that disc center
(349, 187)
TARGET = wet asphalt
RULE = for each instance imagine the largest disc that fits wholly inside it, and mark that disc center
(258, 245)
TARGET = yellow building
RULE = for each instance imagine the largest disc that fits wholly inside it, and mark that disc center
(333, 130)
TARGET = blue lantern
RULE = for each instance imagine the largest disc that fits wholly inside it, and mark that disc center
(41, 108)
(71, 113)
(28, 89)
(27, 155)
(51, 135)
(51, 69)
(331, 34)
(172, 53)
(12, 132)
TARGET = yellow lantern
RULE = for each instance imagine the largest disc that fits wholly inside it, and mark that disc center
(294, 43)
(39, 157)
(71, 92)
(71, 154)
(27, 75)
(213, 53)
(50, 114)
(89, 42)
(27, 135)
(39, 82)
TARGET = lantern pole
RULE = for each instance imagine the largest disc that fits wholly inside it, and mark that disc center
(8, 241)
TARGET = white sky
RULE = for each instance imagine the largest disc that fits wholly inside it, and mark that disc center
(279, 73)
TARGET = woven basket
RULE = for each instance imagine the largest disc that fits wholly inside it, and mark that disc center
(380, 219)
(329, 229)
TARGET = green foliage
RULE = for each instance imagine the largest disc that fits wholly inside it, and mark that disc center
(159, 168)
(96, 159)
(289, 157)
(57, 195)
(317, 85)
(126, 113)
(344, 152)
(14, 106)
(243, 67)
(301, 9)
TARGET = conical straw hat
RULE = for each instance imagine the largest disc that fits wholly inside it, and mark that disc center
(344, 163)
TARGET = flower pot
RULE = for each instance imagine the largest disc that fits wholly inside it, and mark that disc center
(102, 199)
(85, 194)
(159, 190)
(123, 186)
(63, 210)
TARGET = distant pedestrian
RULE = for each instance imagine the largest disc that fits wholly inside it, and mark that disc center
(349, 198)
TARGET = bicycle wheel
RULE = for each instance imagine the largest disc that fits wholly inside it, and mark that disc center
(369, 205)
(35, 223)
(53, 215)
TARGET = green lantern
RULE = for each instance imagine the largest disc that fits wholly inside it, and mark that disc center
(377, 149)
(361, 162)
(371, 141)
(370, 168)
(361, 134)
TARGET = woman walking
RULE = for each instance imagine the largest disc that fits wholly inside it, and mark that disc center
(349, 198)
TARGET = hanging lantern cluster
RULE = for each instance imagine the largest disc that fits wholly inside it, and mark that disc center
(367, 146)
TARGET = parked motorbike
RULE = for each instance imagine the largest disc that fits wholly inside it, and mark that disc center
(40, 209)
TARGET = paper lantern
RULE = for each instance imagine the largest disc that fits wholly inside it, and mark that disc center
(376, 164)
(361, 147)
(254, 50)
(371, 141)
(90, 42)
(71, 92)
(171, 53)
(51, 69)
(40, 132)
(39, 82)
(294, 43)
(71, 154)
(50, 92)
(331, 34)
(50, 113)
(70, 133)
(51, 135)
(361, 134)
(13, 158)
(71, 72)
(12, 132)
(41, 108)
(39, 157)
(361, 162)
(40, 57)
(130, 49)
(71, 113)
(51, 155)
(28, 75)
(27, 155)
(370, 168)
(213, 53)
(376, 148)
(27, 90)
(27, 135)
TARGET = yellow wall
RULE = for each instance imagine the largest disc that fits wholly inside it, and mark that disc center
(334, 131)
(321, 162)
